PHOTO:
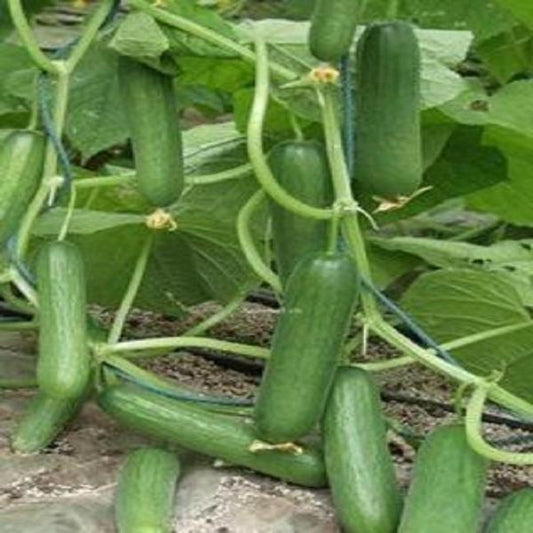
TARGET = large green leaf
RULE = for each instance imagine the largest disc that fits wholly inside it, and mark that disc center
(455, 303)
(521, 9)
(511, 261)
(201, 260)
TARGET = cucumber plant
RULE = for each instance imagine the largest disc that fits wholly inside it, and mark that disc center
(315, 420)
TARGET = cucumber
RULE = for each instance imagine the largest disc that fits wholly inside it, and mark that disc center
(448, 485)
(63, 366)
(514, 514)
(203, 431)
(43, 420)
(145, 492)
(301, 168)
(333, 27)
(319, 302)
(388, 142)
(150, 107)
(21, 168)
(358, 462)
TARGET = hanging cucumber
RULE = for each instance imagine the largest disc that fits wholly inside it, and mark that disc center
(448, 485)
(64, 365)
(301, 168)
(150, 107)
(388, 142)
(43, 420)
(358, 462)
(203, 431)
(319, 302)
(333, 27)
(145, 491)
(21, 168)
(514, 514)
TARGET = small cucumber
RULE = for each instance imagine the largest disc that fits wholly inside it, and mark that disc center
(150, 107)
(320, 298)
(145, 492)
(63, 366)
(388, 142)
(448, 485)
(514, 514)
(43, 420)
(358, 462)
(333, 28)
(203, 431)
(21, 167)
(301, 168)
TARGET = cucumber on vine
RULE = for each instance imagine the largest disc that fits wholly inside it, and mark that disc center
(388, 141)
(145, 492)
(44, 419)
(218, 435)
(149, 103)
(64, 364)
(333, 28)
(448, 485)
(320, 298)
(514, 513)
(301, 168)
(21, 168)
(359, 465)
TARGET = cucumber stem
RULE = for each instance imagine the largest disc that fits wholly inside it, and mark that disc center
(68, 216)
(213, 37)
(28, 38)
(132, 290)
(24, 287)
(474, 428)
(247, 242)
(50, 163)
(170, 343)
(485, 335)
(89, 33)
(390, 364)
(217, 317)
(130, 177)
(255, 143)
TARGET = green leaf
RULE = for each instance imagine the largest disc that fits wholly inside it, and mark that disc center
(521, 9)
(12, 59)
(96, 118)
(455, 303)
(508, 53)
(201, 260)
(510, 260)
(387, 267)
(184, 44)
(140, 36)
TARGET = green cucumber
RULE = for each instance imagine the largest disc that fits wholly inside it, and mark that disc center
(43, 420)
(333, 27)
(320, 298)
(63, 366)
(149, 103)
(213, 434)
(301, 168)
(388, 142)
(358, 462)
(514, 514)
(145, 492)
(448, 485)
(21, 168)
